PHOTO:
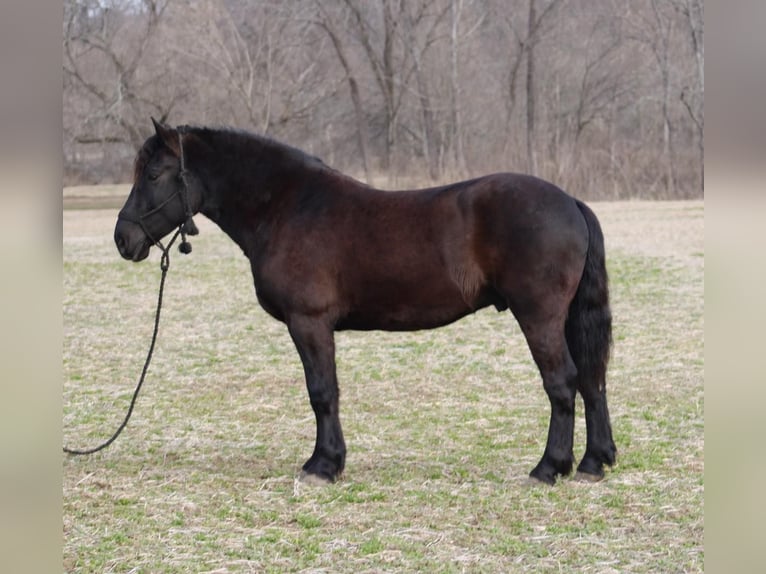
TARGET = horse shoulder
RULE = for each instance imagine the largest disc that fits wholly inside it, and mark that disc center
(295, 275)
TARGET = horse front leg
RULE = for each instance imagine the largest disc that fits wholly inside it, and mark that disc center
(316, 347)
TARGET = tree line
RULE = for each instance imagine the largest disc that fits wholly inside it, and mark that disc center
(603, 97)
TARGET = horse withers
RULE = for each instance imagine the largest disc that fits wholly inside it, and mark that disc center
(329, 253)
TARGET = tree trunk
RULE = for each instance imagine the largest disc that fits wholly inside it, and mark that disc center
(427, 114)
(353, 86)
(457, 128)
(383, 69)
(667, 136)
(531, 39)
(662, 55)
(695, 20)
(428, 131)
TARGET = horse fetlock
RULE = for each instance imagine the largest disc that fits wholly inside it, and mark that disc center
(549, 467)
(543, 473)
(326, 465)
(591, 468)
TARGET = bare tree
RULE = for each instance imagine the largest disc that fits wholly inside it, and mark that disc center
(661, 49)
(522, 50)
(594, 94)
(456, 10)
(655, 30)
(326, 22)
(590, 90)
(693, 97)
(393, 39)
(249, 47)
(531, 91)
(516, 52)
(107, 46)
(381, 62)
(413, 17)
(534, 26)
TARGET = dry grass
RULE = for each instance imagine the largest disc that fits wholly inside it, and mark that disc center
(442, 426)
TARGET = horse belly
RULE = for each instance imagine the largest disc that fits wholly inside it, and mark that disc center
(401, 318)
(396, 305)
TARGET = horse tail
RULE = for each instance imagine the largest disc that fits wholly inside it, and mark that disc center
(589, 321)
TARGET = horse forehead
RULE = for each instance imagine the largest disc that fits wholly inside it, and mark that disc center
(143, 156)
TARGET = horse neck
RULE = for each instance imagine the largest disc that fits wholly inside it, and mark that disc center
(245, 181)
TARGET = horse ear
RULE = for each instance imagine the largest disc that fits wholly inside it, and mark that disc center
(168, 136)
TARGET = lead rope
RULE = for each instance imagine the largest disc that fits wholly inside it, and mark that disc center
(164, 266)
(186, 228)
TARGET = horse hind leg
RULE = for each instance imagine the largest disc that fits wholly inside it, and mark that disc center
(588, 332)
(548, 346)
(589, 336)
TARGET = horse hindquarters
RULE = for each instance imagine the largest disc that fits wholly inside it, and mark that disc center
(538, 276)
(553, 277)
(589, 337)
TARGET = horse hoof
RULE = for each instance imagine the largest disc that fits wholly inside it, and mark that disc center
(533, 481)
(310, 479)
(588, 477)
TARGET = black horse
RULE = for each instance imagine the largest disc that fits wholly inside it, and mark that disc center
(329, 253)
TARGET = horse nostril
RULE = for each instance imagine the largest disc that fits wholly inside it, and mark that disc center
(120, 242)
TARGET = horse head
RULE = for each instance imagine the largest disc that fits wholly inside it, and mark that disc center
(160, 199)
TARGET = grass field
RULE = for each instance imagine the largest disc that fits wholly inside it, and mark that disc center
(442, 426)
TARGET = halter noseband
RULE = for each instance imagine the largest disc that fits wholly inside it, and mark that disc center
(187, 227)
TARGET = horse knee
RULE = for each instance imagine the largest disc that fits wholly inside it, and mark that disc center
(323, 396)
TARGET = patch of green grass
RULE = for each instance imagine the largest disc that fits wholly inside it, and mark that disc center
(307, 521)
(371, 546)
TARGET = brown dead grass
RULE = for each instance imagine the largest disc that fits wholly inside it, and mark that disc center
(442, 426)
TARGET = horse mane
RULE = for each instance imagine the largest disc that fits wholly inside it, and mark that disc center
(249, 160)
(248, 144)
(253, 143)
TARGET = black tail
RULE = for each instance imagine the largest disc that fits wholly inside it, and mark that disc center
(589, 337)
(589, 323)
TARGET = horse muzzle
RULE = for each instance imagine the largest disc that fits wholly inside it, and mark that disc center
(131, 241)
